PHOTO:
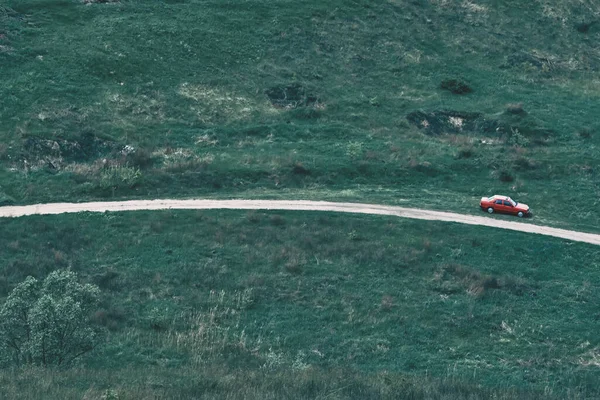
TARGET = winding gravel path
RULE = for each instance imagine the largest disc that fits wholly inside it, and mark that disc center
(301, 205)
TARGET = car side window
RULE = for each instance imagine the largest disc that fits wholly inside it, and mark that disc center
(507, 203)
(499, 202)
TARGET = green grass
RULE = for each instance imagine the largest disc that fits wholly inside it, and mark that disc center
(208, 302)
(315, 100)
(185, 84)
(214, 382)
(217, 383)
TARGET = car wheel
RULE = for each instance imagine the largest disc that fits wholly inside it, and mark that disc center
(490, 210)
(520, 214)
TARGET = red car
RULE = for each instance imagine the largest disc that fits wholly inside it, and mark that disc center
(504, 204)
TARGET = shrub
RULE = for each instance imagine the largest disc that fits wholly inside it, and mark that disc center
(354, 150)
(584, 27)
(517, 139)
(523, 163)
(585, 133)
(108, 279)
(140, 158)
(465, 152)
(300, 169)
(505, 176)
(48, 323)
(455, 86)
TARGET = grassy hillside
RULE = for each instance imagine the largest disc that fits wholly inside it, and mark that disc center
(425, 103)
(264, 305)
(315, 99)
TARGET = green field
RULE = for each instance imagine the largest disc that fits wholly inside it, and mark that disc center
(211, 98)
(419, 103)
(296, 305)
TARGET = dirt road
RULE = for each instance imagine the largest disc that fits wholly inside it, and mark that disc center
(302, 205)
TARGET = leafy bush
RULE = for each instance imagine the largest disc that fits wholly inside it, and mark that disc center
(48, 323)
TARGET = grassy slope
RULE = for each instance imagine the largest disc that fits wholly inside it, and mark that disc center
(393, 305)
(375, 300)
(183, 82)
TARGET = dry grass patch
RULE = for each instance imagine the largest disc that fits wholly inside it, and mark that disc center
(387, 303)
(290, 96)
(206, 140)
(473, 7)
(216, 105)
(182, 159)
(206, 332)
(144, 107)
(86, 169)
(590, 358)
(56, 114)
(416, 95)
(96, 168)
(454, 278)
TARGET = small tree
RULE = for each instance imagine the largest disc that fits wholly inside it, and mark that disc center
(49, 323)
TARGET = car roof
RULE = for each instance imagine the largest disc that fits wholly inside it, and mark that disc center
(497, 196)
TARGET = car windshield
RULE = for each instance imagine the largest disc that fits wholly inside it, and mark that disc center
(511, 201)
